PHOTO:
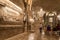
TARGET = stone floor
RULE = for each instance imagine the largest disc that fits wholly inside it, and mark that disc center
(35, 36)
(48, 37)
(7, 32)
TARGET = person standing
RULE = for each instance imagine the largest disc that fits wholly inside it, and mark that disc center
(49, 29)
(40, 28)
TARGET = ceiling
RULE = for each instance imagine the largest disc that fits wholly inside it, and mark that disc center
(47, 5)
(19, 3)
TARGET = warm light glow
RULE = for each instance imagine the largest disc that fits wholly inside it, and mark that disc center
(58, 17)
(31, 20)
(41, 12)
(51, 14)
(31, 36)
(15, 7)
(51, 19)
(10, 11)
(10, 14)
(41, 9)
(11, 5)
(47, 13)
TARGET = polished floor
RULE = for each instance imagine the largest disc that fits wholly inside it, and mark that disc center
(48, 37)
(35, 36)
(44, 36)
(7, 32)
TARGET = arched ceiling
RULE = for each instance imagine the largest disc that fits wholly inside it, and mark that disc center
(49, 5)
(18, 2)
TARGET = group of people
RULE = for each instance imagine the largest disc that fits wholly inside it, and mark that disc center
(55, 29)
(49, 29)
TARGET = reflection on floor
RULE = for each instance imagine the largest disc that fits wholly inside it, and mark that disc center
(31, 36)
(43, 36)
(35, 36)
(47, 36)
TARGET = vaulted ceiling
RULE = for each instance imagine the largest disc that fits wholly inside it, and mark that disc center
(48, 5)
(18, 2)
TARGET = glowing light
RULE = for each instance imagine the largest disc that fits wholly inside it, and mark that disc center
(41, 9)
(12, 5)
(58, 17)
(31, 20)
(47, 13)
(10, 14)
(31, 36)
(15, 6)
(10, 11)
(41, 12)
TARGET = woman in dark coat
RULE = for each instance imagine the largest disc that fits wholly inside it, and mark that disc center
(48, 28)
